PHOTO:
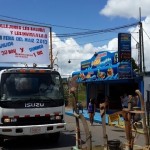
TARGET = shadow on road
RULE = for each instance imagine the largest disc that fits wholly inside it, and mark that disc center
(39, 142)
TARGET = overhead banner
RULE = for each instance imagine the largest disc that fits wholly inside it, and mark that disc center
(24, 43)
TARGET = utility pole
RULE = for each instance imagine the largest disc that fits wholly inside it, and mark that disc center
(141, 46)
(51, 48)
(140, 49)
(138, 62)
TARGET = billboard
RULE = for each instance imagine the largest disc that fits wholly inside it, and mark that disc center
(24, 43)
(100, 59)
(124, 47)
(125, 70)
(104, 66)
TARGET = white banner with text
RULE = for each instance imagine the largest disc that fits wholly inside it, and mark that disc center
(24, 43)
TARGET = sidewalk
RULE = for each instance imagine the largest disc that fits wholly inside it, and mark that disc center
(113, 132)
(98, 119)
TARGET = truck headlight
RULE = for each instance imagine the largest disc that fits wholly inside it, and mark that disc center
(6, 120)
(57, 117)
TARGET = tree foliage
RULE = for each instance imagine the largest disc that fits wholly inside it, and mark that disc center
(134, 65)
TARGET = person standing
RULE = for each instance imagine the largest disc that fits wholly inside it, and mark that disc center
(135, 101)
(124, 100)
(91, 110)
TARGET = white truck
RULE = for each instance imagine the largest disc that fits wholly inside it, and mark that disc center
(31, 102)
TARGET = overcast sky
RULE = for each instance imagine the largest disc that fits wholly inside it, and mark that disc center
(66, 16)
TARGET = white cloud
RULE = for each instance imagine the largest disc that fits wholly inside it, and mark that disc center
(126, 8)
(69, 49)
(113, 44)
(146, 35)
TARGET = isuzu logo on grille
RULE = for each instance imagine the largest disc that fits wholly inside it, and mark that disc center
(34, 105)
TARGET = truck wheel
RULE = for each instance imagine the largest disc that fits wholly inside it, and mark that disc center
(1, 141)
(54, 137)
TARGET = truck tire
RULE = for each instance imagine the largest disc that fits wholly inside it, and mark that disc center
(54, 137)
(1, 141)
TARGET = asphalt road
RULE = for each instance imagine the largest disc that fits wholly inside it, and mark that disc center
(67, 139)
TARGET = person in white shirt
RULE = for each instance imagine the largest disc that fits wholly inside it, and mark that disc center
(124, 100)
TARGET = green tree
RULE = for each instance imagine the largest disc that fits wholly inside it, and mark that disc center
(134, 65)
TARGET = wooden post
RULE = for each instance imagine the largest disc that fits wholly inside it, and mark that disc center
(86, 129)
(103, 116)
(143, 117)
(130, 127)
(74, 91)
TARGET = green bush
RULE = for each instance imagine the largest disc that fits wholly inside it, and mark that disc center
(81, 94)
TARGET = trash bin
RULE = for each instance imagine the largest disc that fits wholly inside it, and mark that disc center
(114, 144)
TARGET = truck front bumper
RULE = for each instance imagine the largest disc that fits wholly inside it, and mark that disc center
(31, 129)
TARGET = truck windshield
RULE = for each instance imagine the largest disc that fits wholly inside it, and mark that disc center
(43, 86)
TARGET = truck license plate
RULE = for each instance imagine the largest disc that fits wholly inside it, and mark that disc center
(35, 130)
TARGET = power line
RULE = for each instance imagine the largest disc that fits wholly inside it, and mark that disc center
(146, 33)
(134, 39)
(90, 42)
(88, 32)
(84, 36)
(44, 23)
(96, 31)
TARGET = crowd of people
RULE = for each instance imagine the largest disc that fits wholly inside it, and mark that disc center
(125, 99)
(92, 106)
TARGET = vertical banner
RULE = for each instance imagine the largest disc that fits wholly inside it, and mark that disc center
(124, 47)
(124, 56)
(24, 43)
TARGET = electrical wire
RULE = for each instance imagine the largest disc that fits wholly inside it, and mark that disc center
(146, 33)
(97, 41)
(76, 35)
(96, 31)
(88, 32)
(45, 24)
(134, 38)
